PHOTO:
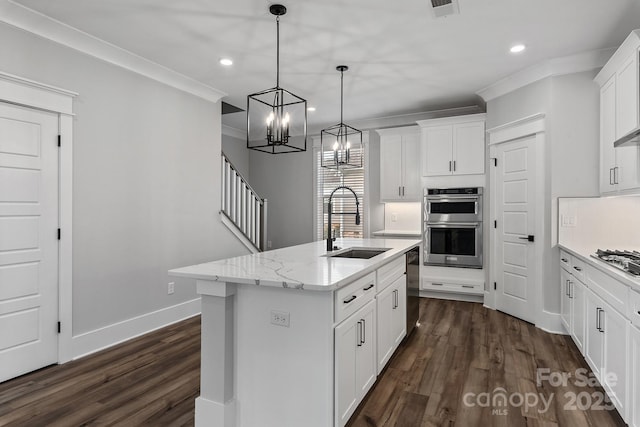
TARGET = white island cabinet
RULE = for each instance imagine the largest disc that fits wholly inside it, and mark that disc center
(289, 337)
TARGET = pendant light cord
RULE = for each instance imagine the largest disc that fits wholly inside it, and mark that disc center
(341, 94)
(277, 51)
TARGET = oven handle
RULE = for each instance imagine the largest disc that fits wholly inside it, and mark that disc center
(453, 224)
(450, 199)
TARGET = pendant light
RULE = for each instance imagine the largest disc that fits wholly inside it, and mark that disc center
(276, 118)
(343, 141)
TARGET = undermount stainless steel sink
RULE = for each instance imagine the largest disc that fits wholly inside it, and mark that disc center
(360, 253)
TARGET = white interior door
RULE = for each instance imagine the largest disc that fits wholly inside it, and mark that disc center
(28, 240)
(515, 212)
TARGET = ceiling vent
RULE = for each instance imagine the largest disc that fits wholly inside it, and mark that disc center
(444, 7)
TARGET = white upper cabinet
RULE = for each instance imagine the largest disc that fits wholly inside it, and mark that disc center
(453, 145)
(400, 164)
(627, 95)
(619, 82)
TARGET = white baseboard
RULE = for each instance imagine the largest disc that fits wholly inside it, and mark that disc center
(551, 322)
(99, 339)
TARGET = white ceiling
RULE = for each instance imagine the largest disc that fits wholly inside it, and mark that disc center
(401, 58)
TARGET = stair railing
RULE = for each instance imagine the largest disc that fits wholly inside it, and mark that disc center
(243, 206)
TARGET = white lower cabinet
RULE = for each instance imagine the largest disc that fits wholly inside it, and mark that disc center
(614, 372)
(633, 415)
(572, 306)
(355, 360)
(391, 306)
(577, 293)
(565, 301)
(606, 348)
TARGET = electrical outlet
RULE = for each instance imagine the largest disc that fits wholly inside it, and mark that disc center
(394, 217)
(280, 318)
(171, 287)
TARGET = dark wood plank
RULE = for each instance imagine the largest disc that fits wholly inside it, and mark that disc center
(458, 348)
(463, 348)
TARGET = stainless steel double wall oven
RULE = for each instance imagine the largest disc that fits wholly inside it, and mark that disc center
(452, 227)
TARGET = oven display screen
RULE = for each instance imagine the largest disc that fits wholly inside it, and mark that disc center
(452, 207)
(453, 241)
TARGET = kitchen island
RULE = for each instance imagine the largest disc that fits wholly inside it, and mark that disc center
(294, 337)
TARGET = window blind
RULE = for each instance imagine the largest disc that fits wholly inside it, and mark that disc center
(343, 201)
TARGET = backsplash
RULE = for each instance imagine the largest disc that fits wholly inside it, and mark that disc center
(604, 222)
(402, 216)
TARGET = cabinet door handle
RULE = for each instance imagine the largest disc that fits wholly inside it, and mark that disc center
(368, 287)
(615, 175)
(601, 321)
(403, 191)
(359, 334)
(566, 287)
(598, 318)
(364, 331)
(437, 284)
(348, 300)
(449, 165)
(570, 289)
(610, 176)
(454, 165)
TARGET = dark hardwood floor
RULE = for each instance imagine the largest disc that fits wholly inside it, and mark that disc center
(150, 380)
(460, 351)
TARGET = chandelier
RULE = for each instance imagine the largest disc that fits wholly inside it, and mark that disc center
(341, 144)
(276, 118)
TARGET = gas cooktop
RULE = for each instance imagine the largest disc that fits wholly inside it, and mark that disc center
(627, 261)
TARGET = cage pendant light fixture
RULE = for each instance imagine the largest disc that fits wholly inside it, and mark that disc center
(341, 144)
(276, 118)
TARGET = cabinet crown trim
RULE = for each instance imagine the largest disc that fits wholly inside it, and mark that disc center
(628, 46)
(452, 120)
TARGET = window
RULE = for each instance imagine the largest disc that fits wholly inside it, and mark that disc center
(326, 181)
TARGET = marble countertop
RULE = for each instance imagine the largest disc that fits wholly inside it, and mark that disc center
(299, 267)
(584, 253)
(407, 233)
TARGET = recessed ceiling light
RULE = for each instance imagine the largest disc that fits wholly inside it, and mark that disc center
(517, 48)
(226, 62)
(311, 108)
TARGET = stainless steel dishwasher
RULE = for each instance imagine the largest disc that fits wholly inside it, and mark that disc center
(413, 288)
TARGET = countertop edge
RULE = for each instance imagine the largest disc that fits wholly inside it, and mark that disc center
(613, 272)
(294, 284)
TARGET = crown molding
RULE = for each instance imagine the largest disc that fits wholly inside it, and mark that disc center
(34, 22)
(628, 47)
(553, 67)
(233, 132)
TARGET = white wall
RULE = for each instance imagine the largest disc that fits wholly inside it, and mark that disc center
(286, 181)
(571, 105)
(146, 189)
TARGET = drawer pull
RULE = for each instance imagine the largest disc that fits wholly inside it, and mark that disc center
(638, 311)
(369, 287)
(437, 284)
(348, 300)
(577, 268)
(468, 286)
(564, 260)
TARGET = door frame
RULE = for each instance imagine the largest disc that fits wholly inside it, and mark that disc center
(39, 96)
(528, 126)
